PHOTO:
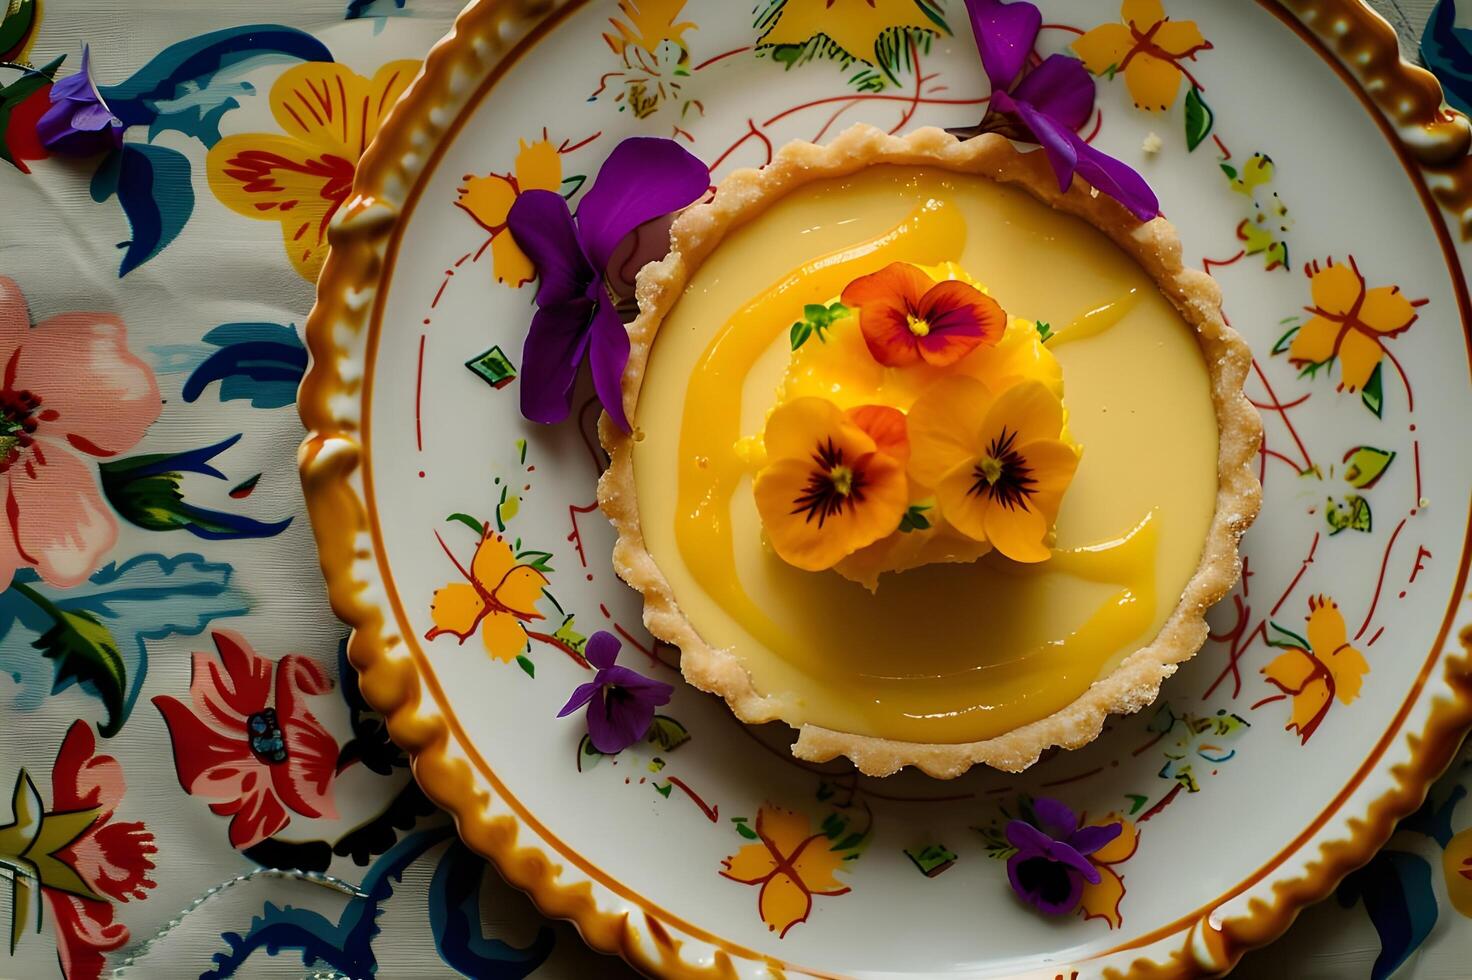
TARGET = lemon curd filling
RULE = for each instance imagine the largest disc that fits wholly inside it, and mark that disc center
(947, 652)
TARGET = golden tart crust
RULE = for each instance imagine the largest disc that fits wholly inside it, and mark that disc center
(1136, 682)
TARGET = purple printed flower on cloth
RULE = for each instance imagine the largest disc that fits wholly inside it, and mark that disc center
(1047, 104)
(644, 178)
(1052, 862)
(79, 123)
(620, 701)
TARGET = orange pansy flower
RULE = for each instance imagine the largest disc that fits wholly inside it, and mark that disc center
(1350, 322)
(1147, 48)
(488, 200)
(790, 863)
(498, 596)
(1330, 668)
(907, 317)
(1101, 901)
(834, 481)
(998, 464)
(300, 179)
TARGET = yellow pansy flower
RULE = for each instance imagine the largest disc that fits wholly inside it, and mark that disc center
(488, 200)
(997, 463)
(1147, 48)
(300, 177)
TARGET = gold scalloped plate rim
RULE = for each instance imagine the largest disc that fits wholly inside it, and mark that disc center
(486, 39)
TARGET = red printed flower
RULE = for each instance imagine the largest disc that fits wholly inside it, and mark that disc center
(907, 317)
(111, 857)
(256, 758)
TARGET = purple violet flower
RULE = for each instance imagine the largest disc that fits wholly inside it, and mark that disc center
(79, 123)
(1052, 862)
(1046, 105)
(644, 178)
(620, 701)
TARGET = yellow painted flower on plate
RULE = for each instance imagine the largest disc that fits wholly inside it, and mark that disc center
(1314, 677)
(488, 200)
(498, 597)
(1101, 901)
(998, 464)
(856, 26)
(790, 862)
(647, 25)
(301, 176)
(834, 481)
(1350, 322)
(1147, 48)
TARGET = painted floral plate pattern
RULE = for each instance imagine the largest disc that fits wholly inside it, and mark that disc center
(1332, 688)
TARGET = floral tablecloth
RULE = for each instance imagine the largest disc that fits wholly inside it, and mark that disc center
(196, 786)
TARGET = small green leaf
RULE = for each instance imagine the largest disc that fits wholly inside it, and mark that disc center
(914, 519)
(478, 527)
(570, 636)
(494, 368)
(1365, 465)
(815, 313)
(525, 664)
(801, 331)
(588, 757)
(1199, 119)
(540, 560)
(571, 185)
(1373, 393)
(664, 790)
(1136, 802)
(1111, 71)
(1282, 638)
(833, 825)
(86, 653)
(848, 843)
(932, 859)
(1352, 514)
(744, 830)
(1045, 330)
(667, 733)
(1285, 341)
(1229, 170)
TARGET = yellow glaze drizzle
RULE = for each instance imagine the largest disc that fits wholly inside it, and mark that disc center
(943, 653)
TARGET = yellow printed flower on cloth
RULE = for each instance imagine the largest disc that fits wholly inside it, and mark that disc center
(790, 862)
(1330, 668)
(834, 481)
(1147, 48)
(1101, 901)
(302, 176)
(488, 200)
(854, 25)
(1350, 322)
(498, 597)
(998, 464)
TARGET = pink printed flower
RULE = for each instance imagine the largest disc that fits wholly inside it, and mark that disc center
(255, 758)
(111, 857)
(68, 386)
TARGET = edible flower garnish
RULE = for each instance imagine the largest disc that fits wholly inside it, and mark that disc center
(997, 463)
(620, 701)
(907, 317)
(1047, 104)
(1052, 863)
(644, 178)
(79, 123)
(834, 481)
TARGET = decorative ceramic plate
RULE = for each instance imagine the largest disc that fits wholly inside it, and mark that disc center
(1296, 146)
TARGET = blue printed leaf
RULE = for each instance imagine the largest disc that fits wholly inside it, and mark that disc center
(372, 8)
(153, 185)
(146, 491)
(455, 920)
(148, 597)
(188, 87)
(261, 363)
(1398, 895)
(1447, 51)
